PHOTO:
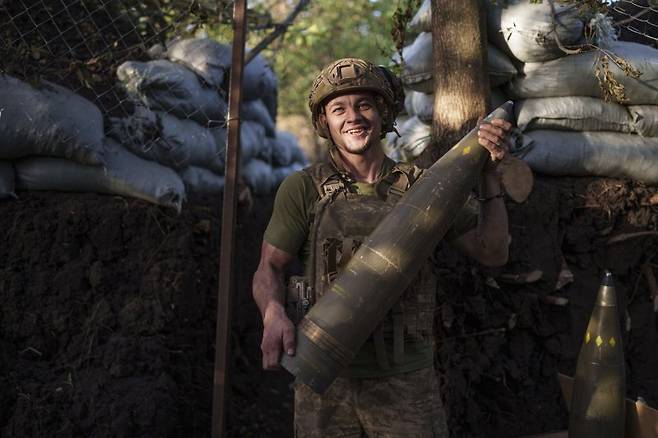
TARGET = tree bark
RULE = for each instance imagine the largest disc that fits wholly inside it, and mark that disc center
(461, 81)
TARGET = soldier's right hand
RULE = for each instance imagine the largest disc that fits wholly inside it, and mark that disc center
(278, 336)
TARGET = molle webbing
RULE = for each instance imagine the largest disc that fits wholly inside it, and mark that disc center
(341, 221)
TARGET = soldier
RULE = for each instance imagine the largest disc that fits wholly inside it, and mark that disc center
(322, 214)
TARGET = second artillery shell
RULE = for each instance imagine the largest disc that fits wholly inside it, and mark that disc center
(597, 405)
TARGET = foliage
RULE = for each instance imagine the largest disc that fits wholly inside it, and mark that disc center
(327, 30)
(401, 18)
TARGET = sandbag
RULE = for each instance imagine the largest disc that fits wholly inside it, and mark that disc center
(189, 136)
(574, 76)
(206, 57)
(422, 104)
(418, 68)
(645, 119)
(253, 143)
(257, 174)
(422, 19)
(48, 121)
(260, 82)
(124, 174)
(200, 180)
(252, 140)
(161, 137)
(607, 154)
(7, 180)
(211, 60)
(169, 87)
(527, 30)
(256, 111)
(572, 114)
(280, 173)
(414, 137)
(285, 150)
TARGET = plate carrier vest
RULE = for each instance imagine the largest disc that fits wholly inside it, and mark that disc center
(342, 219)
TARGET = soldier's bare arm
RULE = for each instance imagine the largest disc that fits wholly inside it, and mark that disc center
(268, 289)
(489, 242)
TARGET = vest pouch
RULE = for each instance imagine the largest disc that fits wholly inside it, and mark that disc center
(299, 298)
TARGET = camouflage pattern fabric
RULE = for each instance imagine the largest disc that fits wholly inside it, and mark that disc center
(404, 405)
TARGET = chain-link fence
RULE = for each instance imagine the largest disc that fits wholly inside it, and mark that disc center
(154, 72)
(637, 20)
(80, 43)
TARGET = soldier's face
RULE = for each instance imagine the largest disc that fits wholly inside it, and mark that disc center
(353, 121)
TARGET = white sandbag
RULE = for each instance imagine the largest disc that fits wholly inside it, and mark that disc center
(280, 173)
(187, 135)
(206, 57)
(573, 113)
(527, 30)
(166, 86)
(211, 60)
(259, 82)
(414, 137)
(418, 68)
(421, 105)
(252, 140)
(422, 19)
(645, 119)
(7, 180)
(608, 154)
(163, 138)
(253, 144)
(285, 150)
(124, 174)
(48, 121)
(258, 175)
(574, 75)
(256, 111)
(200, 180)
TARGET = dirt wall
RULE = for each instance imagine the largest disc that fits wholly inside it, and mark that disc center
(108, 307)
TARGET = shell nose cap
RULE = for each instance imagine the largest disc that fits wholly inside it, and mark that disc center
(607, 279)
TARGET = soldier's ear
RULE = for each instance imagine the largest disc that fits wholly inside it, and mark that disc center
(322, 122)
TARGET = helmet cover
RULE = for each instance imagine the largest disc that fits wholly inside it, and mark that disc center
(354, 75)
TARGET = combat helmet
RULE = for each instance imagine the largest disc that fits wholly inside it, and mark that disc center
(354, 74)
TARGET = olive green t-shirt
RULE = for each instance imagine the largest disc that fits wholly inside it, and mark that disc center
(288, 230)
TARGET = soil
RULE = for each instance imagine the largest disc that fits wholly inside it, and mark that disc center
(108, 315)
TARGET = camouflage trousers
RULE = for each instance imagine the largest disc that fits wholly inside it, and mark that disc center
(405, 405)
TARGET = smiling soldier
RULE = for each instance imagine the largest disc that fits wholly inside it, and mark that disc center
(322, 214)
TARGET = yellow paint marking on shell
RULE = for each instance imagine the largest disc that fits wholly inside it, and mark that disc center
(339, 290)
(587, 338)
(612, 342)
(599, 341)
(467, 150)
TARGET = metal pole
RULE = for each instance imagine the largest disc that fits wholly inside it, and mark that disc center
(226, 279)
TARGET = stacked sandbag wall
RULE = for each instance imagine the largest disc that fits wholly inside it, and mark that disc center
(54, 139)
(180, 116)
(594, 112)
(172, 143)
(417, 73)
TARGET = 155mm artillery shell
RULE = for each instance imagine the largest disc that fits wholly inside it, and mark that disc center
(340, 322)
(597, 404)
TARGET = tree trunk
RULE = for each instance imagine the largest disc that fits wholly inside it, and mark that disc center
(461, 82)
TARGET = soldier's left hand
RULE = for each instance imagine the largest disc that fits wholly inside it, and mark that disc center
(492, 136)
